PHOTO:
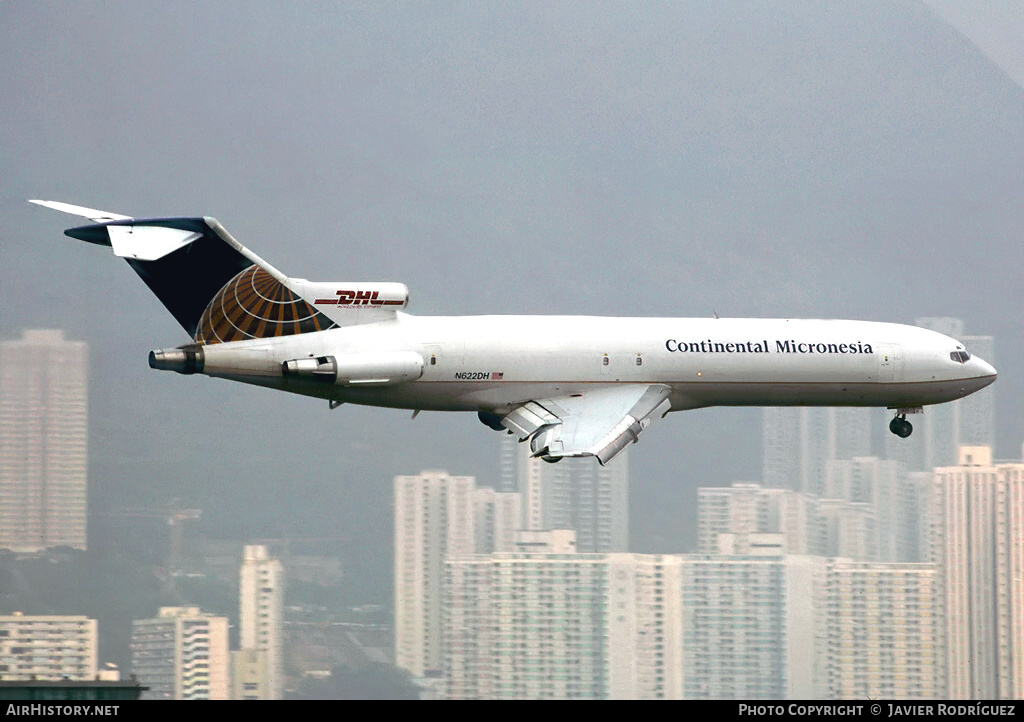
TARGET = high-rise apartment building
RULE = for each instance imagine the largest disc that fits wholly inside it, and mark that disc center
(435, 516)
(872, 513)
(575, 493)
(915, 512)
(893, 497)
(882, 631)
(798, 443)
(43, 442)
(181, 654)
(847, 529)
(752, 627)
(563, 626)
(261, 617)
(750, 509)
(496, 517)
(977, 542)
(47, 648)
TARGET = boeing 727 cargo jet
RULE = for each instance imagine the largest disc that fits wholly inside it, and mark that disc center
(571, 385)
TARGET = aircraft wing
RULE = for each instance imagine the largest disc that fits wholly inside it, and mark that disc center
(600, 422)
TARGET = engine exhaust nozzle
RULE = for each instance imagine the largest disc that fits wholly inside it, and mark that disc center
(181, 360)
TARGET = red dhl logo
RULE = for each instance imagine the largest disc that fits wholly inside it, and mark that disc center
(358, 298)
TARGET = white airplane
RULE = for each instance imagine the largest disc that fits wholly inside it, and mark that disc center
(571, 385)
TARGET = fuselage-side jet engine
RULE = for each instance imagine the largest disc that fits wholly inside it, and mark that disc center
(569, 385)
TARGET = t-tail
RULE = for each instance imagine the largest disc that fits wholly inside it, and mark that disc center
(219, 290)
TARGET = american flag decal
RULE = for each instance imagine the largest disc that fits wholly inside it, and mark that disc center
(496, 375)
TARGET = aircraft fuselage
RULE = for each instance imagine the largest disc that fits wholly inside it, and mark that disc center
(492, 363)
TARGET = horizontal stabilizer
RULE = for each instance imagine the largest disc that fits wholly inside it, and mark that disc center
(90, 213)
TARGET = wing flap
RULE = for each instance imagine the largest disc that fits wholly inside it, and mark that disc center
(528, 418)
(653, 404)
(600, 422)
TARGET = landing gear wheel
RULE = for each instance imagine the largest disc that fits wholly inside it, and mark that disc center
(552, 459)
(901, 427)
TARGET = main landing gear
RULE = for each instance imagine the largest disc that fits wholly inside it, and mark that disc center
(900, 426)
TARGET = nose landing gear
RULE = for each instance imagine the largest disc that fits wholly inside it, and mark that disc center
(900, 426)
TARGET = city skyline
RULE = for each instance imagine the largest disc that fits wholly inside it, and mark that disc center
(784, 599)
(822, 604)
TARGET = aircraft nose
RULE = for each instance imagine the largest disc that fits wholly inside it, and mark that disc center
(984, 370)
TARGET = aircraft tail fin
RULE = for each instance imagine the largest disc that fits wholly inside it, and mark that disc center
(217, 289)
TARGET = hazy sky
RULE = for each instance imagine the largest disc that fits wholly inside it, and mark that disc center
(794, 159)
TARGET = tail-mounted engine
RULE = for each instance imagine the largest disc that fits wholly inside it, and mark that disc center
(382, 368)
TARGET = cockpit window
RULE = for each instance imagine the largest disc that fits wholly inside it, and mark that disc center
(960, 356)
